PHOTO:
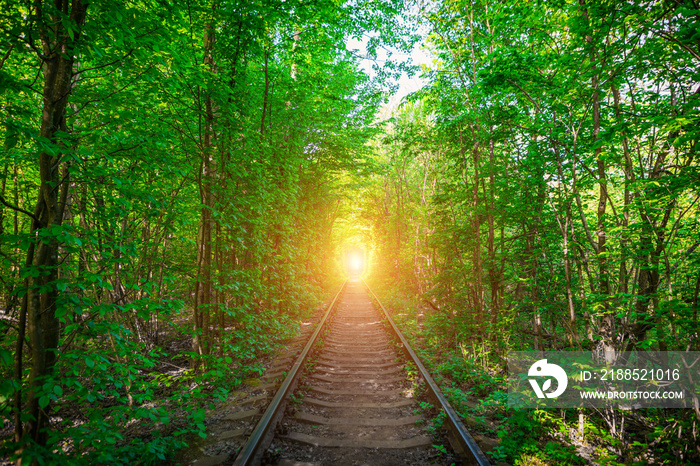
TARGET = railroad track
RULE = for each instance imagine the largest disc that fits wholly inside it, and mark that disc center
(354, 403)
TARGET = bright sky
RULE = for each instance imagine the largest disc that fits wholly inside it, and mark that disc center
(406, 84)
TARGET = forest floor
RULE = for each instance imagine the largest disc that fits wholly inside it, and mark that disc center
(229, 421)
(219, 447)
(474, 394)
(172, 366)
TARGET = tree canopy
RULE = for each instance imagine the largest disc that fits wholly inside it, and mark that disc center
(195, 172)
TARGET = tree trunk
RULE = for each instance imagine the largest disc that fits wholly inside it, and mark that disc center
(608, 330)
(203, 285)
(39, 308)
(607, 325)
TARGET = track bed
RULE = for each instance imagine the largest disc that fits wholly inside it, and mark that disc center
(356, 406)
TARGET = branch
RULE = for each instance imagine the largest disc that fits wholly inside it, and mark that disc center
(431, 304)
(88, 102)
(7, 55)
(668, 36)
(548, 336)
(19, 209)
(525, 92)
(684, 255)
(105, 65)
(14, 262)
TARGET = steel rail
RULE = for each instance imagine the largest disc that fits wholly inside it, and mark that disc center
(249, 454)
(461, 441)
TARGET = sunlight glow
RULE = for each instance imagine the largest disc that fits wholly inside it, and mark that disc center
(355, 262)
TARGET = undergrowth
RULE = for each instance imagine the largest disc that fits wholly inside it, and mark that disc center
(118, 401)
(476, 389)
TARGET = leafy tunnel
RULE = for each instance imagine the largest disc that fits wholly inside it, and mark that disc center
(182, 183)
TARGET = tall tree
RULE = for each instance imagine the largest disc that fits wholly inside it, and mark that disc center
(58, 25)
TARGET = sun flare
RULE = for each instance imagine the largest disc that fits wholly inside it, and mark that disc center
(355, 262)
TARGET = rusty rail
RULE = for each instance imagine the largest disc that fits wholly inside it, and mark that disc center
(459, 437)
(460, 440)
(264, 429)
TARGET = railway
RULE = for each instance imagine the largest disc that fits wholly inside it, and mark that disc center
(353, 397)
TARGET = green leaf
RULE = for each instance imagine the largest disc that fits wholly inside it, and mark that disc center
(11, 141)
(5, 357)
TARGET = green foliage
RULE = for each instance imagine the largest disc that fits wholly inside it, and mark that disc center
(524, 436)
(441, 449)
(435, 427)
(540, 192)
(199, 148)
(209, 161)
